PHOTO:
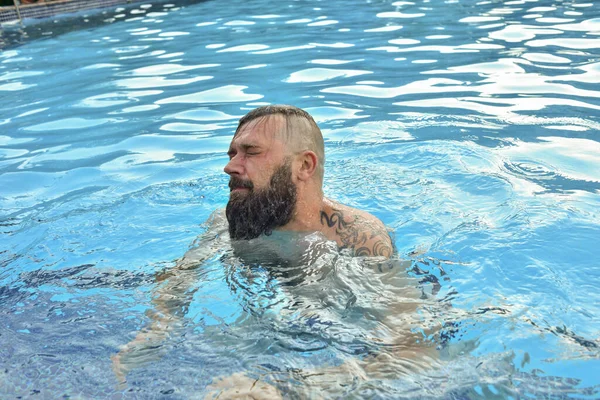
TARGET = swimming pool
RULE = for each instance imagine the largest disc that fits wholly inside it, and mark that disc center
(470, 129)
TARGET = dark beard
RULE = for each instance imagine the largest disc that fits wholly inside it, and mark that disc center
(261, 211)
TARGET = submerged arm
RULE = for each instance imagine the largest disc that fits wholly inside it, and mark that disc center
(170, 300)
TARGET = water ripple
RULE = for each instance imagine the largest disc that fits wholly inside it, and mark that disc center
(322, 74)
(470, 129)
(224, 94)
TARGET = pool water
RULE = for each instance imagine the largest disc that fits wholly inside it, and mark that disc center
(471, 129)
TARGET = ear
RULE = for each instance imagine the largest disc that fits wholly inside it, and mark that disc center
(307, 165)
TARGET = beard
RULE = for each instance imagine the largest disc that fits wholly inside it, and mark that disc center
(260, 211)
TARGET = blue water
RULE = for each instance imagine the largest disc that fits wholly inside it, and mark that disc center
(472, 129)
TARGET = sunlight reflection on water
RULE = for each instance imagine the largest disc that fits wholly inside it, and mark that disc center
(471, 130)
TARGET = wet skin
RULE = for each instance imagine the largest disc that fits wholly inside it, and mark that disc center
(259, 149)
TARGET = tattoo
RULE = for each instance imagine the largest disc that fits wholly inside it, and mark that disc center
(337, 218)
(363, 242)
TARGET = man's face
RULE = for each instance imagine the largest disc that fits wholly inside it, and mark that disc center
(256, 151)
(263, 194)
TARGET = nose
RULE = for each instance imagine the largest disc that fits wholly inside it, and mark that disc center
(234, 166)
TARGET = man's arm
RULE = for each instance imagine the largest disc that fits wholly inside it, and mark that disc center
(170, 299)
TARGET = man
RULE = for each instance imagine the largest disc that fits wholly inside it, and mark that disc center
(276, 165)
(276, 160)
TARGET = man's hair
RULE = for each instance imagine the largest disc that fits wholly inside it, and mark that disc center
(301, 131)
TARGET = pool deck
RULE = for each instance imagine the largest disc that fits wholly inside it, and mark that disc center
(48, 8)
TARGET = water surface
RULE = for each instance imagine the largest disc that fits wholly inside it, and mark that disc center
(471, 129)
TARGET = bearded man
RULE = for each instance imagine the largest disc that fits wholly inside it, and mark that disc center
(276, 160)
(275, 166)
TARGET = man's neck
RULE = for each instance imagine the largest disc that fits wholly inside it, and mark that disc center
(306, 215)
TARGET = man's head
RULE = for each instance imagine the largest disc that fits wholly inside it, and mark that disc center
(276, 156)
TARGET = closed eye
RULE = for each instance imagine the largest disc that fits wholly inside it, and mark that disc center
(246, 149)
(251, 150)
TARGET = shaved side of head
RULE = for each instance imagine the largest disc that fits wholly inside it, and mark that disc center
(299, 132)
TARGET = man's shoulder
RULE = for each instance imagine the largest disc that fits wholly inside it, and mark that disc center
(357, 230)
(216, 218)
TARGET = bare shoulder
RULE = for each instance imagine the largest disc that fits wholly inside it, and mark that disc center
(364, 234)
(216, 219)
(207, 243)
